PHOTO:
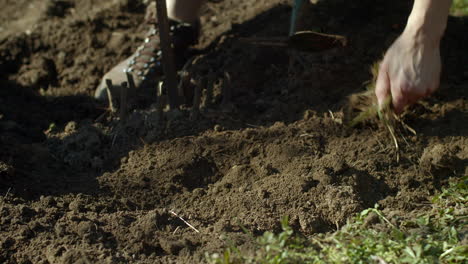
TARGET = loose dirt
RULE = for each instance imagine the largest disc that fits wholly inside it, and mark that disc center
(79, 187)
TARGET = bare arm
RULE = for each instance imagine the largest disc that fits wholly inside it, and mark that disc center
(411, 66)
(429, 18)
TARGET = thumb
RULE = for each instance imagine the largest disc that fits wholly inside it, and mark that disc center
(382, 86)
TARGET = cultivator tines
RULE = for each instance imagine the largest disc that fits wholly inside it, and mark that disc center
(131, 84)
(123, 101)
(110, 97)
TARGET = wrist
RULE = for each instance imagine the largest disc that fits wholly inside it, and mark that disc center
(420, 34)
(428, 20)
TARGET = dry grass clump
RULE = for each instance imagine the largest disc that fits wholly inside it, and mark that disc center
(364, 108)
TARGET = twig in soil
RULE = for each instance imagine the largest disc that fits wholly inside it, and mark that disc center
(167, 53)
(187, 223)
(123, 101)
(334, 118)
(109, 95)
(254, 126)
(410, 129)
(4, 197)
(395, 141)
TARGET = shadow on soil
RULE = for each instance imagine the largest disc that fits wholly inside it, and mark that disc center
(262, 90)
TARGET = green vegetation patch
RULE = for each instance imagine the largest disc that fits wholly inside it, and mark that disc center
(439, 235)
(459, 8)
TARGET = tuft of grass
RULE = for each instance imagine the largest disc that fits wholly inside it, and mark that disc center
(363, 107)
(435, 236)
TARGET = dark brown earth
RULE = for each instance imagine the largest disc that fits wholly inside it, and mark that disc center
(77, 188)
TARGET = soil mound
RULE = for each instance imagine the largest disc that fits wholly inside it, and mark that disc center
(77, 186)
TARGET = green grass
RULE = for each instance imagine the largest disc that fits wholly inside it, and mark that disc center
(459, 8)
(431, 237)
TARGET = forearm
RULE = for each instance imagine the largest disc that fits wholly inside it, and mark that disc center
(428, 18)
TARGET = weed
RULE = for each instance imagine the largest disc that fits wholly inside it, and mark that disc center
(363, 107)
(432, 237)
(459, 8)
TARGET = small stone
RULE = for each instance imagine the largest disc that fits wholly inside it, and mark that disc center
(59, 230)
(116, 40)
(215, 190)
(76, 206)
(86, 228)
(218, 128)
(71, 127)
(438, 156)
(48, 200)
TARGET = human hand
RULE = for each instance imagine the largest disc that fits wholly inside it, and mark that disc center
(409, 71)
(411, 67)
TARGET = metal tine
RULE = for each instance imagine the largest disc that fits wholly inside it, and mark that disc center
(210, 82)
(131, 84)
(123, 101)
(184, 77)
(197, 98)
(110, 98)
(161, 100)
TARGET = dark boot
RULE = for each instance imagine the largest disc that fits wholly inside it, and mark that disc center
(145, 64)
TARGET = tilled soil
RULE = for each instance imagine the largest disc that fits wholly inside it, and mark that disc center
(78, 186)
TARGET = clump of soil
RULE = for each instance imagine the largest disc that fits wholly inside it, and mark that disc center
(77, 185)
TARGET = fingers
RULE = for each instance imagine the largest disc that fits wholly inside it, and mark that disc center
(399, 99)
(382, 87)
(402, 92)
(404, 95)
